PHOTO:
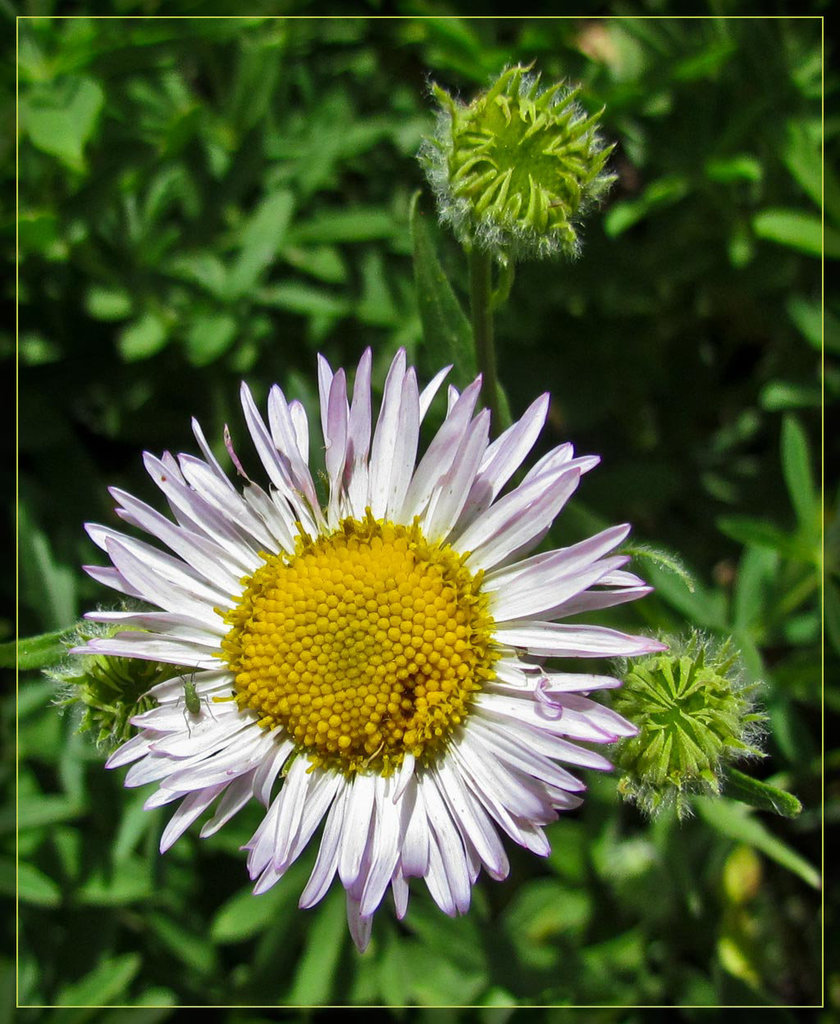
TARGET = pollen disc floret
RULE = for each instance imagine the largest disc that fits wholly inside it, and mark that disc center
(364, 645)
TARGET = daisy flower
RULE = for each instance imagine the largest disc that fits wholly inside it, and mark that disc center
(373, 666)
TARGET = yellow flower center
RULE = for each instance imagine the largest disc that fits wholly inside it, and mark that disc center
(364, 645)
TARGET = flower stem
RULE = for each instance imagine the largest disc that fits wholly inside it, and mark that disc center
(481, 311)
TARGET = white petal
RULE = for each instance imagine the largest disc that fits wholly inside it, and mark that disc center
(451, 493)
(322, 792)
(428, 393)
(503, 458)
(405, 445)
(414, 856)
(547, 596)
(267, 772)
(358, 439)
(130, 751)
(326, 862)
(385, 437)
(399, 890)
(517, 520)
(148, 647)
(190, 809)
(234, 798)
(301, 425)
(206, 556)
(440, 454)
(559, 564)
(522, 755)
(356, 829)
(471, 820)
(360, 926)
(385, 847)
(563, 640)
(449, 844)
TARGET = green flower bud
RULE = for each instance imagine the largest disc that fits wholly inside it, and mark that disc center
(695, 715)
(106, 691)
(514, 170)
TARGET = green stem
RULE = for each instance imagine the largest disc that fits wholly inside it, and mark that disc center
(481, 311)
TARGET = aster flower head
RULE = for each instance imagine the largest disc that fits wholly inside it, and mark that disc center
(374, 663)
(514, 171)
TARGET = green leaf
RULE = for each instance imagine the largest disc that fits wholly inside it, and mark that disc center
(779, 395)
(209, 337)
(541, 913)
(321, 261)
(126, 881)
(673, 582)
(796, 467)
(792, 228)
(376, 305)
(832, 613)
(325, 938)
(47, 586)
(749, 530)
(304, 299)
(35, 652)
(756, 572)
(802, 157)
(447, 334)
(665, 191)
(737, 822)
(36, 811)
(194, 951)
(62, 121)
(707, 62)
(761, 795)
(262, 237)
(104, 303)
(815, 323)
(357, 224)
(201, 268)
(142, 338)
(663, 560)
(34, 886)
(104, 984)
(245, 914)
(38, 231)
(727, 170)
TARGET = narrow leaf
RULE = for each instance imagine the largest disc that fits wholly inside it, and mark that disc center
(34, 886)
(447, 335)
(796, 466)
(34, 652)
(761, 795)
(792, 228)
(104, 984)
(737, 822)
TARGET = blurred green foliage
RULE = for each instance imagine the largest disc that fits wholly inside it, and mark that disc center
(206, 199)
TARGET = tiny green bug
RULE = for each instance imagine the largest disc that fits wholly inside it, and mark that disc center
(191, 698)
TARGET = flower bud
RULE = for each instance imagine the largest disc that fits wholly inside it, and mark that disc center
(695, 715)
(106, 691)
(514, 170)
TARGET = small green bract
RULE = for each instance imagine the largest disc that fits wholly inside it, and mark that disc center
(695, 714)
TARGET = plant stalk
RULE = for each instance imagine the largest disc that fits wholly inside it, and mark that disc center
(481, 311)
